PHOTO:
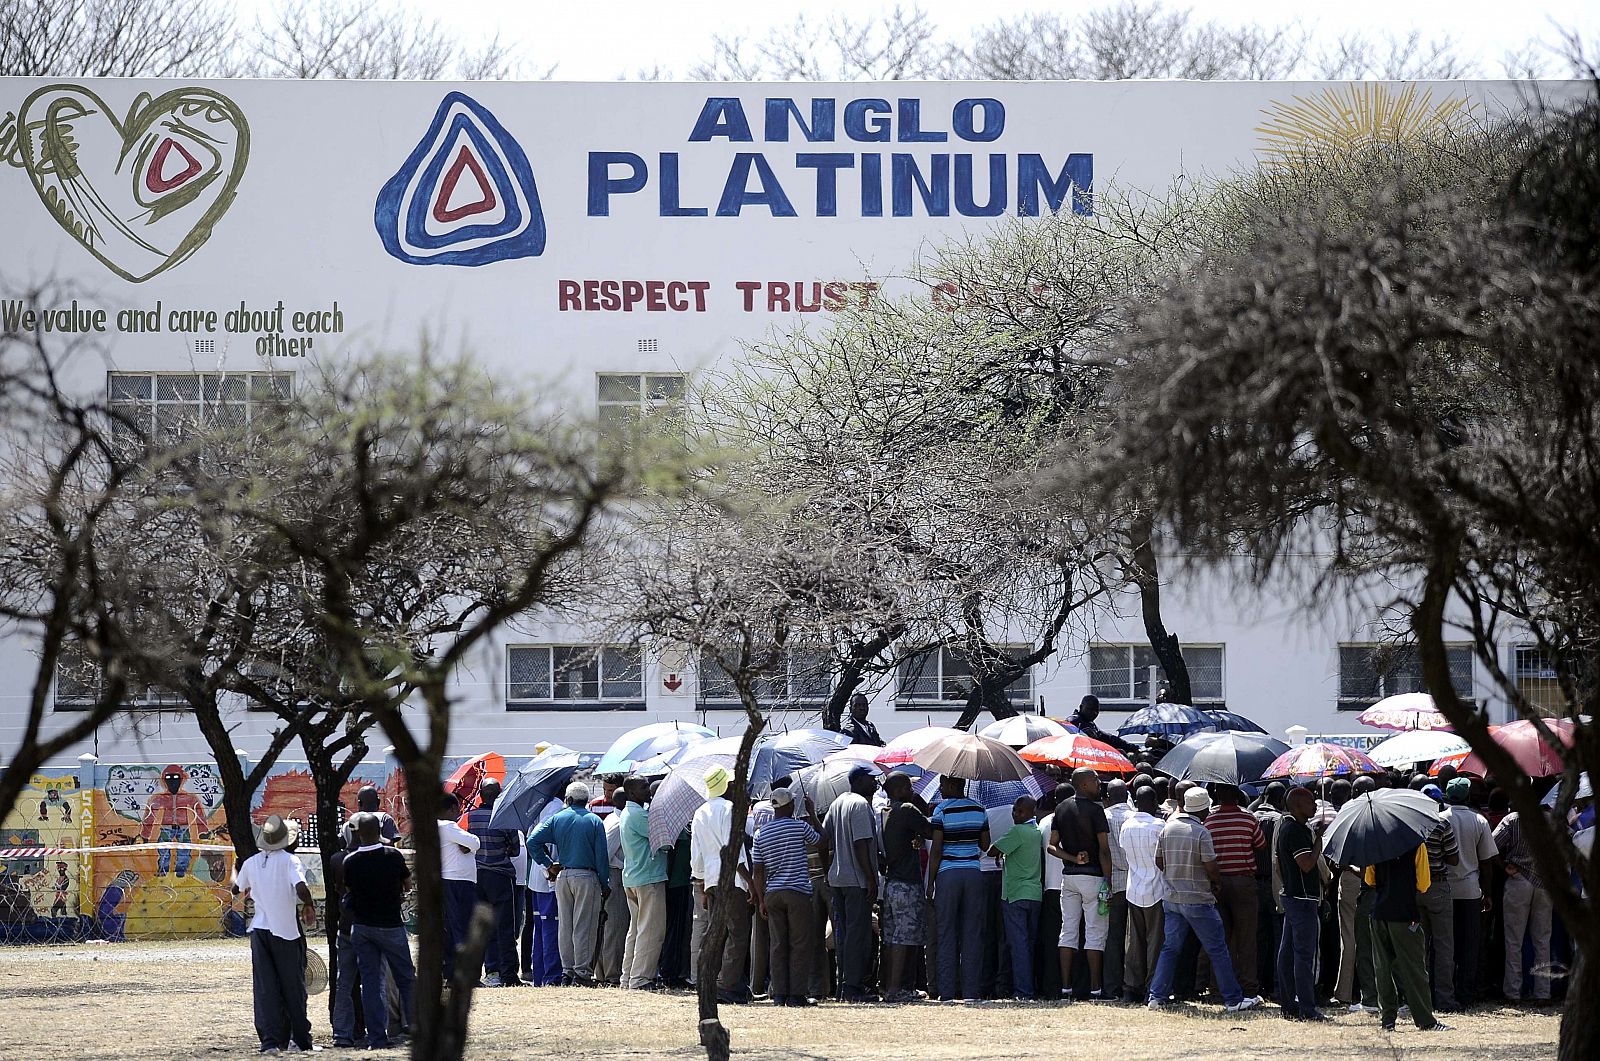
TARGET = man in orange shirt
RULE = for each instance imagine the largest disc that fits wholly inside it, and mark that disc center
(169, 815)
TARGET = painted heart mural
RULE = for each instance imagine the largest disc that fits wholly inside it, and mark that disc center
(141, 193)
(464, 196)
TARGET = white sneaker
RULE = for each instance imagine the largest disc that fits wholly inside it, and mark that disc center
(1243, 1004)
(1153, 1004)
(1437, 1026)
(1356, 1007)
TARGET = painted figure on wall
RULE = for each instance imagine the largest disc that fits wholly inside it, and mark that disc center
(62, 886)
(52, 801)
(174, 816)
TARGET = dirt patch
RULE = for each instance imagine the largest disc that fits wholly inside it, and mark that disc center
(192, 1000)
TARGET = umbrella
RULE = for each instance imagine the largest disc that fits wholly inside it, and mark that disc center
(1019, 731)
(992, 794)
(470, 776)
(1454, 759)
(647, 742)
(681, 794)
(800, 748)
(829, 780)
(1222, 758)
(1404, 711)
(1536, 756)
(1310, 761)
(1417, 746)
(538, 781)
(971, 756)
(1072, 750)
(1377, 826)
(904, 747)
(1227, 720)
(1169, 720)
(1585, 790)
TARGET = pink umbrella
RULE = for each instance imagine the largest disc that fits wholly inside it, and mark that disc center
(901, 750)
(1537, 756)
(1404, 711)
(1311, 761)
(1072, 750)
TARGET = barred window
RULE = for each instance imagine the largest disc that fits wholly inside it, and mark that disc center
(1370, 672)
(155, 409)
(1119, 675)
(804, 676)
(944, 676)
(81, 683)
(567, 676)
(627, 401)
(1537, 679)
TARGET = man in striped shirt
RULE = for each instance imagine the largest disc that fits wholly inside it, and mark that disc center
(783, 895)
(1237, 836)
(955, 884)
(497, 848)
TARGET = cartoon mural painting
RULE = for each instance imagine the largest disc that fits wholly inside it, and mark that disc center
(464, 196)
(53, 801)
(180, 818)
(39, 863)
(141, 193)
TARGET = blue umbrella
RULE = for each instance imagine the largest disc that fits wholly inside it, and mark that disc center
(992, 794)
(1228, 721)
(800, 748)
(1169, 720)
(539, 780)
(647, 742)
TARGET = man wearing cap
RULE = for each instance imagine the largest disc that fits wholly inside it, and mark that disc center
(849, 848)
(1469, 902)
(582, 874)
(498, 847)
(708, 838)
(782, 885)
(1438, 911)
(1187, 858)
(274, 879)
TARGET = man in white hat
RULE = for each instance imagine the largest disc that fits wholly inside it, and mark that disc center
(581, 871)
(708, 837)
(275, 880)
(1187, 857)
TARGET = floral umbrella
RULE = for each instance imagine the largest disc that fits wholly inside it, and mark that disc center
(1311, 761)
(1404, 711)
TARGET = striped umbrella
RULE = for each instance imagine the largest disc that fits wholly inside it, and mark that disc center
(1168, 720)
(1073, 750)
(681, 794)
(1311, 761)
(992, 794)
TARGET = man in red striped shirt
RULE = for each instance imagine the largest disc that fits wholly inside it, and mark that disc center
(1237, 836)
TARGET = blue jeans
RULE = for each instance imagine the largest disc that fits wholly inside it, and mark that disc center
(343, 1017)
(1297, 956)
(1203, 920)
(958, 898)
(377, 949)
(164, 857)
(499, 891)
(1022, 924)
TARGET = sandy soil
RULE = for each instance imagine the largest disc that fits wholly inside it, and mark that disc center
(192, 1000)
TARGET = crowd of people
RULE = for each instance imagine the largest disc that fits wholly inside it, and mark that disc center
(1142, 891)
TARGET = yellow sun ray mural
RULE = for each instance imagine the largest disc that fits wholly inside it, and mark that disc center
(1347, 117)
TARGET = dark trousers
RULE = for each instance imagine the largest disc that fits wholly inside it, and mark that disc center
(460, 896)
(1269, 931)
(1046, 955)
(1116, 945)
(1297, 956)
(278, 988)
(498, 890)
(736, 951)
(675, 946)
(348, 1000)
(544, 942)
(378, 949)
(525, 933)
(958, 901)
(852, 939)
(994, 979)
(1021, 918)
(790, 924)
(1237, 904)
(1469, 944)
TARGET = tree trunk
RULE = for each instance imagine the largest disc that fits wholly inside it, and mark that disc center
(989, 694)
(236, 790)
(1165, 645)
(424, 783)
(1580, 1023)
(329, 781)
(850, 678)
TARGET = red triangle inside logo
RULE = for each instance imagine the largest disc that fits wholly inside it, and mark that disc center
(442, 211)
(155, 175)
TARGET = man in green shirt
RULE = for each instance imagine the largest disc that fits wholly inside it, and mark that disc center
(644, 878)
(1021, 890)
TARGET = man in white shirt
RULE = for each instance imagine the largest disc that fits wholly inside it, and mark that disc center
(458, 867)
(1475, 845)
(1118, 811)
(276, 881)
(713, 825)
(1147, 887)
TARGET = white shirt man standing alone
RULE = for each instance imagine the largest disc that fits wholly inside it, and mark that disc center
(276, 881)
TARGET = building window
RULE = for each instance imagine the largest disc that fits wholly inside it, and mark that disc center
(1368, 673)
(80, 685)
(804, 678)
(944, 677)
(1537, 679)
(166, 408)
(553, 677)
(1120, 675)
(628, 400)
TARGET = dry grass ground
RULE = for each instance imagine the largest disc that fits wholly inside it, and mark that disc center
(192, 1000)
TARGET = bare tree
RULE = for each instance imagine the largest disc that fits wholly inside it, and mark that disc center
(367, 39)
(1397, 381)
(902, 44)
(115, 38)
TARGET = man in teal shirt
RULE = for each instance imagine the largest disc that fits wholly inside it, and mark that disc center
(1021, 890)
(644, 879)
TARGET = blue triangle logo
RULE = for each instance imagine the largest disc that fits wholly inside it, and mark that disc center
(464, 196)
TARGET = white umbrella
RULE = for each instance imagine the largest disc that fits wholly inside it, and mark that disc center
(830, 779)
(1416, 746)
(1019, 731)
(969, 756)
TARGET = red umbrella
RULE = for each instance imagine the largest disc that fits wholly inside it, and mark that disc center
(900, 751)
(1072, 750)
(1454, 759)
(470, 776)
(1311, 761)
(1537, 756)
(1404, 711)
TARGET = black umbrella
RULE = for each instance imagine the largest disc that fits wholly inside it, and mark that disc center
(1222, 758)
(1377, 826)
(1230, 720)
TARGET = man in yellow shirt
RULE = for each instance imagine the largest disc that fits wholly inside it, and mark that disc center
(1399, 947)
